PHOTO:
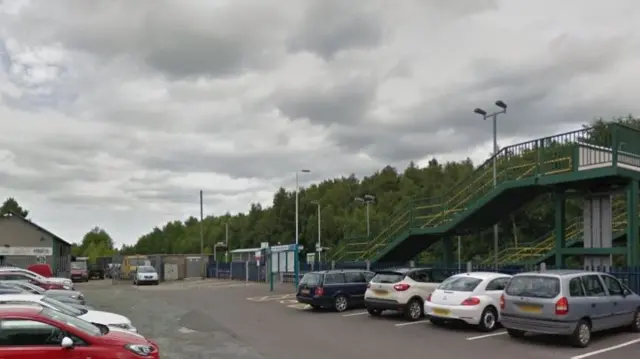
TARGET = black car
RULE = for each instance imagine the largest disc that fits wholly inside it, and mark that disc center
(336, 289)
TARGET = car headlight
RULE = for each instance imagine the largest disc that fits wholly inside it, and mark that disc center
(140, 349)
(66, 287)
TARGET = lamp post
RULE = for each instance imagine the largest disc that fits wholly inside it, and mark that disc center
(296, 261)
(494, 118)
(319, 244)
(226, 241)
(367, 199)
(202, 268)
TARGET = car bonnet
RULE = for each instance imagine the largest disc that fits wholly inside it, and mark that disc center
(106, 318)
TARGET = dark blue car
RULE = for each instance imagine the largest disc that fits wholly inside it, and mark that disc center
(335, 289)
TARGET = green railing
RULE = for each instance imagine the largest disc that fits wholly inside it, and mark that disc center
(542, 157)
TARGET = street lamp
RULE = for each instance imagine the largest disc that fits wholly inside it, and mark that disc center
(296, 261)
(226, 241)
(494, 117)
(367, 199)
(319, 245)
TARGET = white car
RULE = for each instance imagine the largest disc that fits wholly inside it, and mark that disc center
(145, 274)
(65, 281)
(472, 297)
(403, 290)
(92, 316)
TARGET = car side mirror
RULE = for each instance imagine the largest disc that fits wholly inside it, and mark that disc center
(626, 292)
(67, 343)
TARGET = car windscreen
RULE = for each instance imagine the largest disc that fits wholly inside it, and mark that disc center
(78, 265)
(460, 284)
(72, 321)
(146, 269)
(387, 277)
(533, 286)
(61, 307)
(310, 279)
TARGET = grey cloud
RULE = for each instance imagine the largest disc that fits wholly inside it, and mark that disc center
(334, 25)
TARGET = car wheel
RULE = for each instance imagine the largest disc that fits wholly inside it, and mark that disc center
(581, 336)
(413, 310)
(340, 303)
(374, 312)
(515, 333)
(437, 321)
(488, 319)
(635, 325)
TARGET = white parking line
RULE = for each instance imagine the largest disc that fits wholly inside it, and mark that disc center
(487, 335)
(353, 314)
(411, 323)
(607, 349)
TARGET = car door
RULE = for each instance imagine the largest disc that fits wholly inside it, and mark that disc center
(597, 303)
(29, 339)
(423, 282)
(357, 285)
(622, 308)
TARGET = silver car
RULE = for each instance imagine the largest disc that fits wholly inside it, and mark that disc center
(568, 302)
(65, 296)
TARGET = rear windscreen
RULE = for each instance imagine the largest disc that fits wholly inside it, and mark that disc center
(460, 284)
(310, 279)
(387, 277)
(533, 286)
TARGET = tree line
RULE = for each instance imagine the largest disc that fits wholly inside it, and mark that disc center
(343, 218)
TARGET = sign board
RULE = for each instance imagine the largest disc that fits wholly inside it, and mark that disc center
(258, 256)
(264, 245)
(26, 251)
(286, 248)
(311, 257)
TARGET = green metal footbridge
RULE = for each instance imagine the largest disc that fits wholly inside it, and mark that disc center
(604, 158)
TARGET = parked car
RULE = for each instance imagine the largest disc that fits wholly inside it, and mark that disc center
(336, 289)
(42, 268)
(92, 316)
(5, 289)
(52, 334)
(62, 282)
(79, 271)
(65, 296)
(96, 271)
(473, 298)
(403, 290)
(568, 302)
(21, 276)
(145, 275)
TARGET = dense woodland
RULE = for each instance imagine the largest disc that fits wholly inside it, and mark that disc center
(343, 218)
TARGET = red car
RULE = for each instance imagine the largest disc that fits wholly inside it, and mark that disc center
(34, 332)
(7, 275)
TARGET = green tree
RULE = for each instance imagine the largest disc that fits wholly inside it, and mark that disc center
(10, 205)
(95, 243)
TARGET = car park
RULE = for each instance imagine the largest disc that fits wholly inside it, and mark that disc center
(34, 332)
(145, 275)
(92, 316)
(403, 290)
(473, 298)
(65, 296)
(47, 283)
(574, 303)
(335, 289)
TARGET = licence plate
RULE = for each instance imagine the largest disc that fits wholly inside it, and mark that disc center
(147, 277)
(530, 308)
(305, 291)
(440, 311)
(380, 291)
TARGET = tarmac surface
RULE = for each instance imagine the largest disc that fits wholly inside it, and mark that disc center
(225, 319)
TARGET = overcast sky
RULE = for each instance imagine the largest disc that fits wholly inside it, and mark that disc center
(116, 113)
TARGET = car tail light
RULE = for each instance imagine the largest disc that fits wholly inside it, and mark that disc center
(429, 297)
(562, 306)
(401, 287)
(319, 291)
(471, 301)
(502, 303)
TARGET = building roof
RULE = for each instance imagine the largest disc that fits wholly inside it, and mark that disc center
(41, 229)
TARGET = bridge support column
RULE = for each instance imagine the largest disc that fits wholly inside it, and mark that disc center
(633, 257)
(559, 200)
(598, 230)
(447, 246)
